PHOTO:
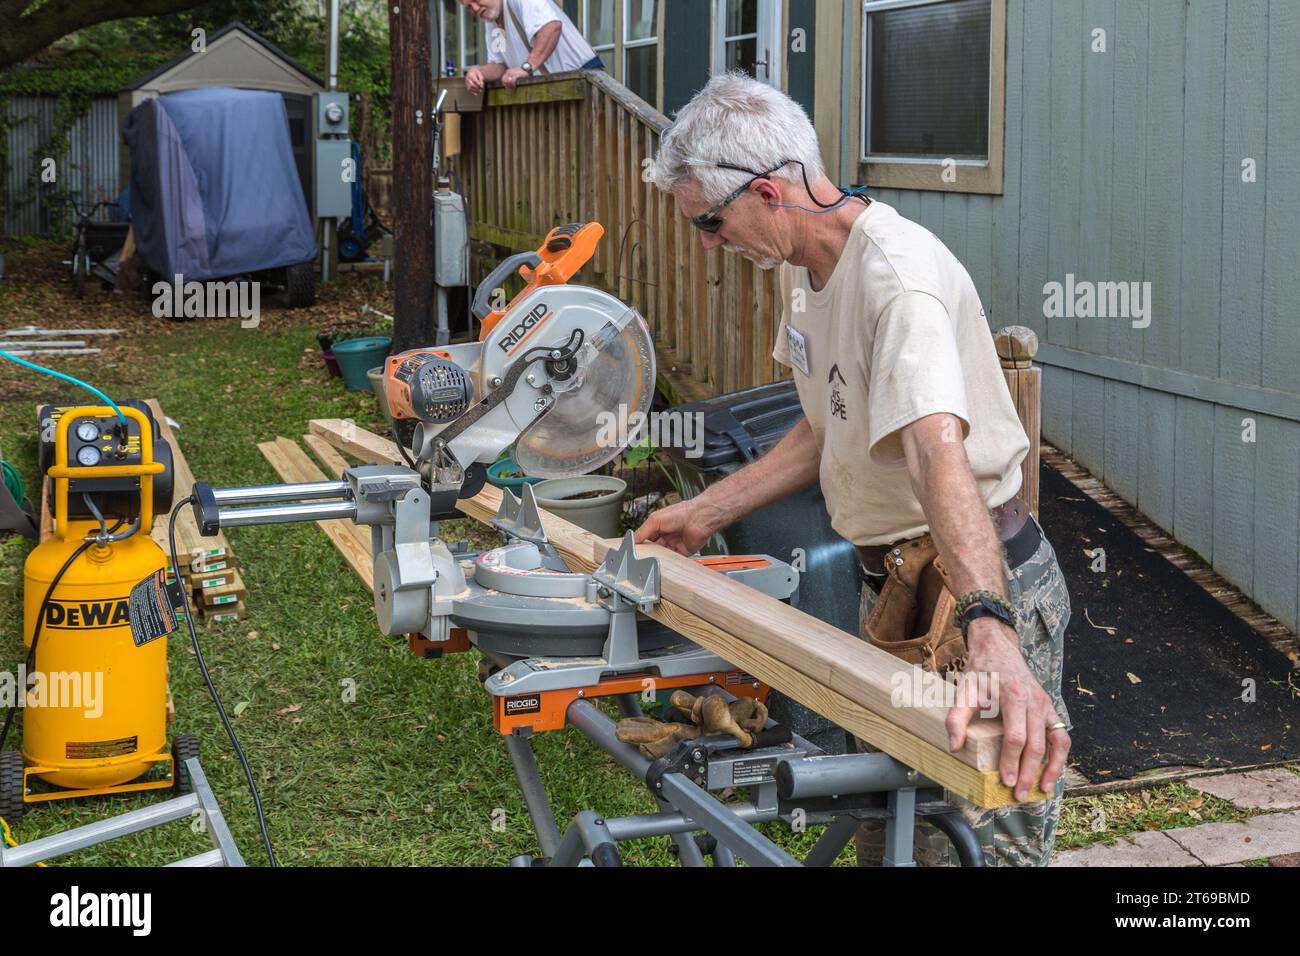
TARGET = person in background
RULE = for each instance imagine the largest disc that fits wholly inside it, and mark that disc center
(530, 38)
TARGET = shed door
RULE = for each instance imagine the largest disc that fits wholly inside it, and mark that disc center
(299, 108)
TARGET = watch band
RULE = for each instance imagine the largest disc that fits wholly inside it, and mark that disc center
(975, 604)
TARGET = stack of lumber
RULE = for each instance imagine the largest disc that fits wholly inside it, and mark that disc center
(294, 466)
(843, 678)
(207, 565)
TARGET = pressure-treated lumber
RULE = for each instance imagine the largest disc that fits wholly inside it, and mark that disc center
(835, 674)
(335, 464)
(293, 466)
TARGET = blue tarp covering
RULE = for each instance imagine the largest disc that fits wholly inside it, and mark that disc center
(214, 188)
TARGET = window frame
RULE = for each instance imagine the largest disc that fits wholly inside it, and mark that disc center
(983, 176)
(586, 28)
(625, 9)
(770, 31)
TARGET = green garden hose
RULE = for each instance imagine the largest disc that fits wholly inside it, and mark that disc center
(13, 481)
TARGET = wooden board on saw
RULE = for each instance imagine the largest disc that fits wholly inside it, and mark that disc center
(293, 465)
(843, 678)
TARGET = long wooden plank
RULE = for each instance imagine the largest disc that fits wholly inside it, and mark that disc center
(292, 465)
(841, 677)
(334, 463)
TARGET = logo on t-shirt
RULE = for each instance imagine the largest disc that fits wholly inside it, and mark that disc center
(838, 408)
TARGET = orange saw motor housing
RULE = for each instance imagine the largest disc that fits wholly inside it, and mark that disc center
(566, 250)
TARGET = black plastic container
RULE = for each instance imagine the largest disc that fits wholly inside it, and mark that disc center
(738, 428)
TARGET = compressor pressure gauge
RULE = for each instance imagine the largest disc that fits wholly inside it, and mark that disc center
(87, 455)
(87, 431)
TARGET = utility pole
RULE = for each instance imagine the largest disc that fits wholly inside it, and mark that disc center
(410, 51)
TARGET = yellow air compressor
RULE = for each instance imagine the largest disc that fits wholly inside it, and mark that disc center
(102, 725)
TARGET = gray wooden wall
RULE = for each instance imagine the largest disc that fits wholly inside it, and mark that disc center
(1127, 166)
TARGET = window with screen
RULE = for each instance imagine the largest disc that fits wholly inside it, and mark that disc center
(740, 35)
(599, 26)
(451, 56)
(474, 36)
(641, 48)
(932, 91)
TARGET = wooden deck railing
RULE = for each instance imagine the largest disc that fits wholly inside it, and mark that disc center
(572, 148)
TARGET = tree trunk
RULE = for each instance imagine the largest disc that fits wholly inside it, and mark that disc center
(412, 175)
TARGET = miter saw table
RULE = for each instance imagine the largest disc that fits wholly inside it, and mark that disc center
(549, 367)
(553, 641)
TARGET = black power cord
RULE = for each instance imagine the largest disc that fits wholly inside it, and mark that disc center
(212, 690)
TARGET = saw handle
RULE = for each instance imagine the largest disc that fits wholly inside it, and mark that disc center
(498, 276)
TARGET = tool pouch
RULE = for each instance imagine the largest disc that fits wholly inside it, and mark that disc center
(913, 616)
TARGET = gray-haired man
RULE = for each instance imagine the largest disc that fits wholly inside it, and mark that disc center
(909, 426)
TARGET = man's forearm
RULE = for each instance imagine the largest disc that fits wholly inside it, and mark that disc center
(544, 43)
(493, 71)
(789, 467)
(959, 520)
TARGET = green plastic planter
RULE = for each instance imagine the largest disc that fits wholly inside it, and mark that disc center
(497, 471)
(356, 357)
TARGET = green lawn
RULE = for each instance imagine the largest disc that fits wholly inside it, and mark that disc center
(411, 771)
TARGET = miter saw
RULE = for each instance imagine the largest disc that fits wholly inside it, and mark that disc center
(554, 370)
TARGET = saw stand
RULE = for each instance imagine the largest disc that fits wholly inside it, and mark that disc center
(786, 777)
(554, 640)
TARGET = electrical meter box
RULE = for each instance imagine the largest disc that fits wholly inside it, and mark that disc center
(335, 173)
(450, 240)
(332, 113)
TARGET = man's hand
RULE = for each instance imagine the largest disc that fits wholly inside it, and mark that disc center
(1026, 710)
(513, 76)
(683, 527)
(474, 80)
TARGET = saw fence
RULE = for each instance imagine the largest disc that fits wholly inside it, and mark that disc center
(832, 672)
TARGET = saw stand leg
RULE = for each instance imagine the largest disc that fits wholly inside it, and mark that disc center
(839, 791)
(530, 784)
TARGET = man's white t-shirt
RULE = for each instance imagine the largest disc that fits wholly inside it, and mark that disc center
(571, 53)
(897, 334)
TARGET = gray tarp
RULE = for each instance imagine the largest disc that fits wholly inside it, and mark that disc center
(215, 192)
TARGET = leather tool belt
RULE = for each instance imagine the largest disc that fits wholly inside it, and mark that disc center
(913, 616)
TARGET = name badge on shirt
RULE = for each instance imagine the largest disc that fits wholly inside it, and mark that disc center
(798, 349)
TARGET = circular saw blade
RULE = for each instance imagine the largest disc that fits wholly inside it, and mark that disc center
(599, 408)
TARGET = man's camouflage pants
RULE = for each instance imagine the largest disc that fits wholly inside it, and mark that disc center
(1011, 836)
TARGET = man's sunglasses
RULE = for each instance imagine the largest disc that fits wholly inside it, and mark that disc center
(709, 221)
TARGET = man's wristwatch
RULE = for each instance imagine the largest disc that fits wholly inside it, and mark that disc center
(983, 604)
(528, 68)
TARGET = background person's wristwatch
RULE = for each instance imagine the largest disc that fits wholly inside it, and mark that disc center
(528, 68)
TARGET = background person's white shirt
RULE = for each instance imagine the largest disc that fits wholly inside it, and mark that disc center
(571, 53)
